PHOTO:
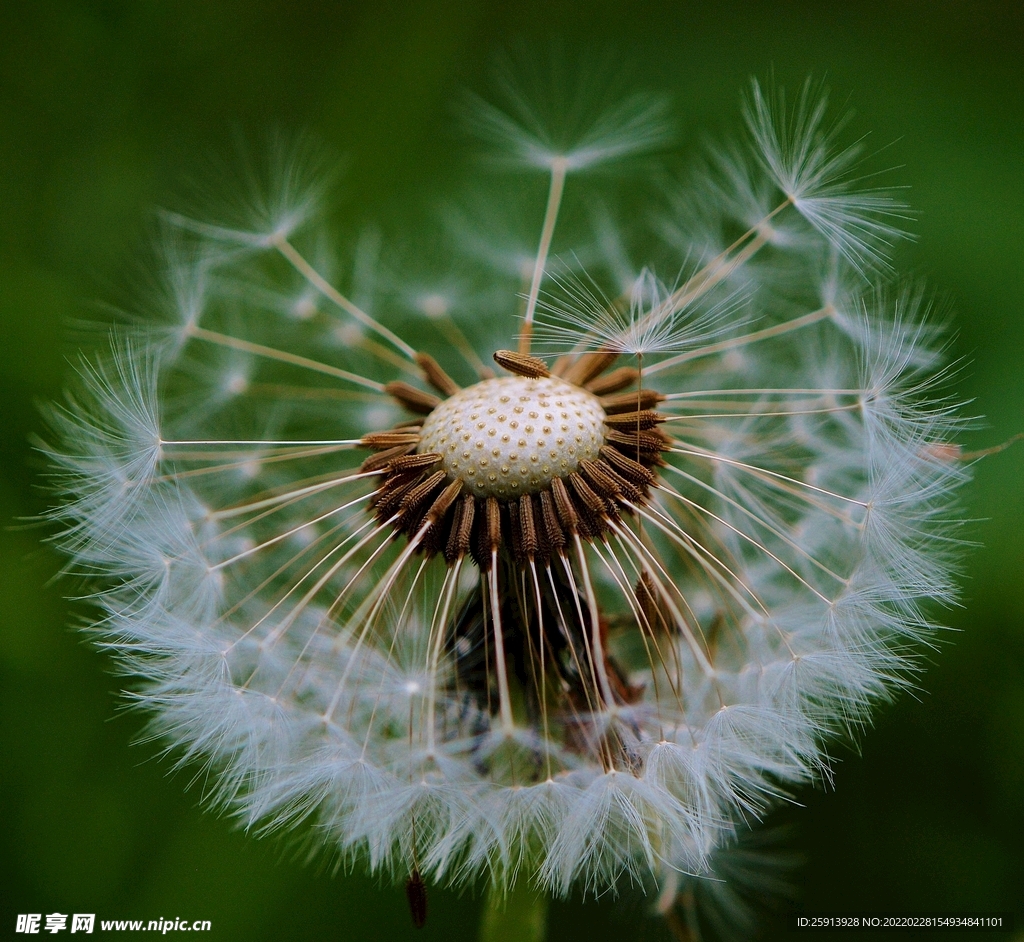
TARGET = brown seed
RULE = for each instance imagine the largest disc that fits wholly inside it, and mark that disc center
(647, 600)
(588, 366)
(460, 538)
(602, 482)
(631, 470)
(492, 523)
(631, 401)
(593, 501)
(416, 895)
(412, 398)
(391, 496)
(423, 490)
(628, 489)
(650, 442)
(610, 484)
(381, 440)
(544, 546)
(614, 381)
(383, 459)
(563, 504)
(414, 462)
(521, 364)
(437, 377)
(516, 533)
(444, 501)
(591, 525)
(634, 421)
(552, 528)
(528, 537)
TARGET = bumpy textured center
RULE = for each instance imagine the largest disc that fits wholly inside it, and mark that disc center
(511, 436)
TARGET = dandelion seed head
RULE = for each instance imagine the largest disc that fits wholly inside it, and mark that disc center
(572, 612)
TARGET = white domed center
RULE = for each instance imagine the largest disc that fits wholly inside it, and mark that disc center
(510, 436)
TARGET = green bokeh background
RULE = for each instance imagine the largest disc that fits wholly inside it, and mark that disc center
(107, 106)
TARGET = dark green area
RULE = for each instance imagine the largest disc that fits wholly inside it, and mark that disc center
(106, 107)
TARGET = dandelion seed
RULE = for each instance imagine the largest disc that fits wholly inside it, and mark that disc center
(568, 620)
(650, 319)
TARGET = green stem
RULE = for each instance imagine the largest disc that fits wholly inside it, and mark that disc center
(516, 915)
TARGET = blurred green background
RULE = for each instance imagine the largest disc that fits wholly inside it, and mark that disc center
(107, 106)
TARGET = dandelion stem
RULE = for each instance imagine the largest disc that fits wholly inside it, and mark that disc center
(504, 699)
(755, 470)
(559, 166)
(993, 450)
(515, 915)
(765, 391)
(263, 441)
(247, 346)
(328, 290)
(454, 335)
(761, 415)
(805, 320)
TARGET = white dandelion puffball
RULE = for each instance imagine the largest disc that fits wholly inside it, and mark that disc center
(554, 549)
